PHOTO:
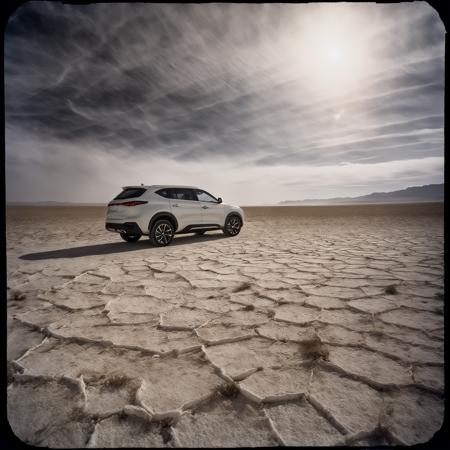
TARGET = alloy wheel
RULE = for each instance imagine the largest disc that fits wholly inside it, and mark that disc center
(233, 226)
(163, 233)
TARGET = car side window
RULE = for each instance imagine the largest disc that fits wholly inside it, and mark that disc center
(183, 194)
(163, 193)
(205, 197)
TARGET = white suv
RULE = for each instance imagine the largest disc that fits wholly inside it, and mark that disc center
(163, 211)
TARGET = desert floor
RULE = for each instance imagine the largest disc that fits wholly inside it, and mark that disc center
(314, 326)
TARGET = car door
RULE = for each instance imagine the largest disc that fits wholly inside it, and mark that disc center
(185, 207)
(213, 211)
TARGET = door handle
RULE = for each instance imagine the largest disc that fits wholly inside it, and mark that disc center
(176, 204)
(205, 207)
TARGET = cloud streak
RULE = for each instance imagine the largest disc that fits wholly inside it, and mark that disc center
(243, 90)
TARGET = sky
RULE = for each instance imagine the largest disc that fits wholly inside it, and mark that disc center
(256, 103)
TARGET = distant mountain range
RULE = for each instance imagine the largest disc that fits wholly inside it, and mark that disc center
(415, 194)
(50, 203)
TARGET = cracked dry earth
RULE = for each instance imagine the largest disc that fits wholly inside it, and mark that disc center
(328, 332)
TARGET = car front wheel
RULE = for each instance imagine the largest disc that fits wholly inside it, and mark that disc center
(130, 237)
(232, 226)
(162, 233)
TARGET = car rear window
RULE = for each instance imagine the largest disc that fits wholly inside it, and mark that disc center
(130, 193)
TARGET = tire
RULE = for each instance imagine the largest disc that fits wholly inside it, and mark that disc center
(161, 233)
(199, 233)
(130, 237)
(232, 226)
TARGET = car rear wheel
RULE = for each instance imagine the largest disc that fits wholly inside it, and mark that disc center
(130, 237)
(232, 226)
(162, 233)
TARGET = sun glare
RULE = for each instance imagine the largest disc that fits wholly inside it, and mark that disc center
(331, 52)
(334, 54)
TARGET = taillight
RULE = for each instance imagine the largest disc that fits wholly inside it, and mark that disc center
(133, 203)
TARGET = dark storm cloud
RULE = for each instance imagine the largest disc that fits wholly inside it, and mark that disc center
(196, 82)
(143, 73)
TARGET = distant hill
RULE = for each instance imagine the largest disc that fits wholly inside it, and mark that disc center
(415, 194)
(50, 203)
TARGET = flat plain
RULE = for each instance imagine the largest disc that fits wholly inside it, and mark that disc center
(314, 326)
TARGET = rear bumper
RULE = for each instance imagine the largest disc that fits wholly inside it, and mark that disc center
(127, 227)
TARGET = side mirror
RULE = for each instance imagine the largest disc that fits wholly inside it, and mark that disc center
(219, 200)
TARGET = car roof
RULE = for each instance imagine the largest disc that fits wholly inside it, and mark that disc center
(154, 187)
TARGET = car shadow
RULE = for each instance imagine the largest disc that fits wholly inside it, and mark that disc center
(115, 247)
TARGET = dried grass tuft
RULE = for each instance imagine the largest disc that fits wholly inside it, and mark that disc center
(228, 390)
(116, 381)
(314, 348)
(391, 290)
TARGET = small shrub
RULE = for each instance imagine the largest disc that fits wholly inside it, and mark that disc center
(391, 290)
(314, 348)
(248, 307)
(116, 381)
(228, 390)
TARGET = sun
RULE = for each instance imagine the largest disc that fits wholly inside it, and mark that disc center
(330, 50)
(333, 54)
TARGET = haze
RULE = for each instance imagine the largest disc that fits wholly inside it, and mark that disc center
(255, 103)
